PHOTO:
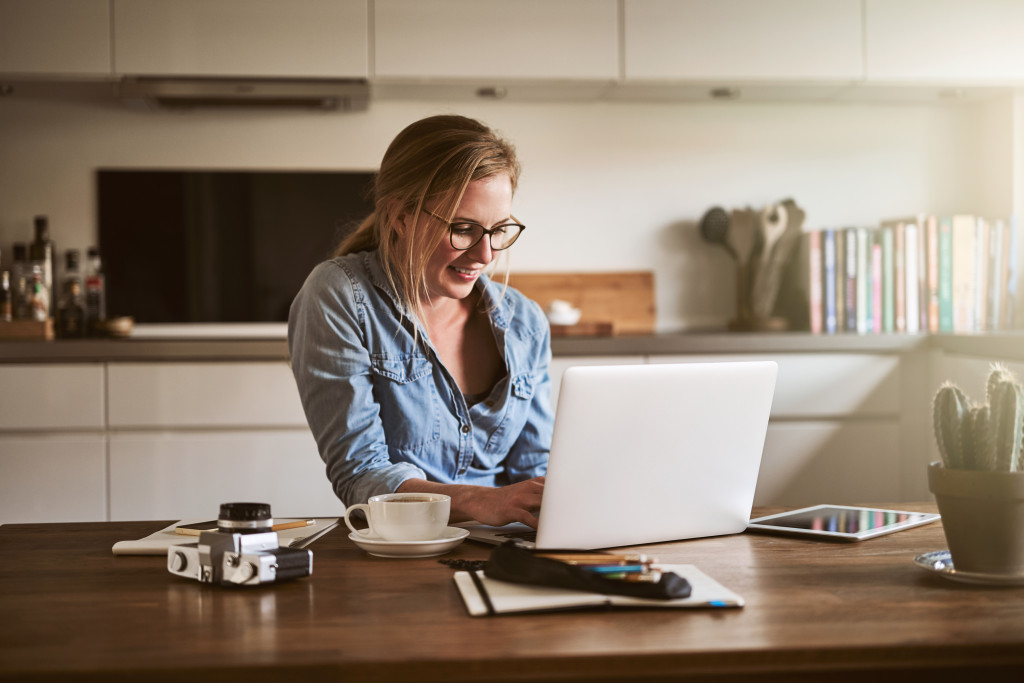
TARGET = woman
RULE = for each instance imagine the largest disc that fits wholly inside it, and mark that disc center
(416, 371)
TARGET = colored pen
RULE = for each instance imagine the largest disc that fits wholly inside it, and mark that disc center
(615, 568)
(597, 558)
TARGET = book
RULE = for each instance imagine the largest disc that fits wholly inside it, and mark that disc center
(828, 248)
(483, 596)
(1012, 240)
(839, 279)
(912, 269)
(887, 273)
(981, 274)
(851, 279)
(963, 264)
(996, 276)
(932, 274)
(877, 275)
(945, 274)
(899, 277)
(815, 294)
(864, 298)
(158, 542)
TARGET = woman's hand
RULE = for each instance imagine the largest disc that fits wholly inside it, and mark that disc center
(519, 502)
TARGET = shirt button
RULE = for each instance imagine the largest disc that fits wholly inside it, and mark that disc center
(465, 429)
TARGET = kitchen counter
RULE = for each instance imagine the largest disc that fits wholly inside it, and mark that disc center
(1007, 346)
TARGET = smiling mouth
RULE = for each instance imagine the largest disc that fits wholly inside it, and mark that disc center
(465, 272)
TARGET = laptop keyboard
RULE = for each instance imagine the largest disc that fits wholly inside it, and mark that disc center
(530, 536)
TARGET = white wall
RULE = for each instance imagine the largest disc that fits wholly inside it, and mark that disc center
(606, 185)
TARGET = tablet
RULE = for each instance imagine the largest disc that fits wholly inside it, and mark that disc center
(840, 522)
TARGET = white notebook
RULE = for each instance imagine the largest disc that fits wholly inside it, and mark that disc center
(158, 542)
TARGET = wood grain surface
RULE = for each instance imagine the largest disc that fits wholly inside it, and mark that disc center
(814, 611)
(615, 302)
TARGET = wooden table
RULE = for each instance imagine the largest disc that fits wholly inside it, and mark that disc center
(815, 611)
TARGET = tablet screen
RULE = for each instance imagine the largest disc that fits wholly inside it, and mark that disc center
(841, 522)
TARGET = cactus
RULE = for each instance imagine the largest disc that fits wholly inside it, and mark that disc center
(951, 411)
(989, 436)
(1006, 406)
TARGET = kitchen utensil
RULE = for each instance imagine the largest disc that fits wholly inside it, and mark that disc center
(774, 219)
(781, 225)
(714, 227)
(742, 237)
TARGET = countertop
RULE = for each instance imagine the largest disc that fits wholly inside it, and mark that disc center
(1003, 346)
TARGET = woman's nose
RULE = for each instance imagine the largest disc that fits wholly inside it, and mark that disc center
(481, 251)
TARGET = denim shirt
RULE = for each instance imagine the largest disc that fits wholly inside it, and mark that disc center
(382, 406)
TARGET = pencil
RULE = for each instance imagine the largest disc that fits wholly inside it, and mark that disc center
(293, 525)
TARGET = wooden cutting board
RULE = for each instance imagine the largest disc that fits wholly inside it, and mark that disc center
(611, 303)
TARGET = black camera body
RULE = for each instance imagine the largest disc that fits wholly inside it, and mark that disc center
(243, 551)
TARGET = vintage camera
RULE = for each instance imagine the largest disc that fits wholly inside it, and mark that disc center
(243, 551)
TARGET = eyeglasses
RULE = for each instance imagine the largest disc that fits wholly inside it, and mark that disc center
(465, 235)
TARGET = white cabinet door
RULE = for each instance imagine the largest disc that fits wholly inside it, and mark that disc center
(825, 385)
(536, 39)
(841, 463)
(243, 394)
(53, 478)
(298, 38)
(174, 475)
(743, 40)
(55, 37)
(51, 396)
(945, 41)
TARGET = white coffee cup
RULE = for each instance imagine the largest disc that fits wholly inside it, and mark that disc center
(403, 516)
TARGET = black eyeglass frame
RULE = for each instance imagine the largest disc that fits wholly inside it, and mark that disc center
(484, 232)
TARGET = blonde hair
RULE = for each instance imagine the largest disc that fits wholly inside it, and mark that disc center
(434, 159)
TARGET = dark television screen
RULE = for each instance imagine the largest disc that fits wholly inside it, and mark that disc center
(220, 246)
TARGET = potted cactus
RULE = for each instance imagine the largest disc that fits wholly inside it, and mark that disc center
(979, 484)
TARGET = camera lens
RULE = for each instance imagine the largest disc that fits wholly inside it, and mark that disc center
(244, 518)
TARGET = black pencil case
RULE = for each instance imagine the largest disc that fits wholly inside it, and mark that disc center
(515, 564)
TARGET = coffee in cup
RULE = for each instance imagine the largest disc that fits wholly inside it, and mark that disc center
(403, 516)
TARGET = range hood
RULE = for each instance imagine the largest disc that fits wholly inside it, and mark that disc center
(190, 93)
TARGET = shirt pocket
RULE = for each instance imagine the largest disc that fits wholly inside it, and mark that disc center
(522, 387)
(401, 368)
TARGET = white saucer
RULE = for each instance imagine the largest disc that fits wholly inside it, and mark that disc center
(941, 563)
(438, 546)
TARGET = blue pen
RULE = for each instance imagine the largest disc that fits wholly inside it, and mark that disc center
(616, 568)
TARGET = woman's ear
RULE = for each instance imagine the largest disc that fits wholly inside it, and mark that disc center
(400, 219)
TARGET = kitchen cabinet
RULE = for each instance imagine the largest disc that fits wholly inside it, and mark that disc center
(187, 395)
(52, 443)
(55, 38)
(52, 397)
(944, 41)
(189, 473)
(186, 437)
(258, 38)
(731, 41)
(494, 39)
(52, 477)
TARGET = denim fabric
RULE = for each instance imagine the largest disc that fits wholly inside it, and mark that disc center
(383, 408)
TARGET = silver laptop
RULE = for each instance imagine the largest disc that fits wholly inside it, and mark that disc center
(650, 453)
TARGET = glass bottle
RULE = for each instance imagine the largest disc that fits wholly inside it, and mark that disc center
(38, 296)
(41, 252)
(6, 298)
(21, 276)
(95, 292)
(71, 312)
